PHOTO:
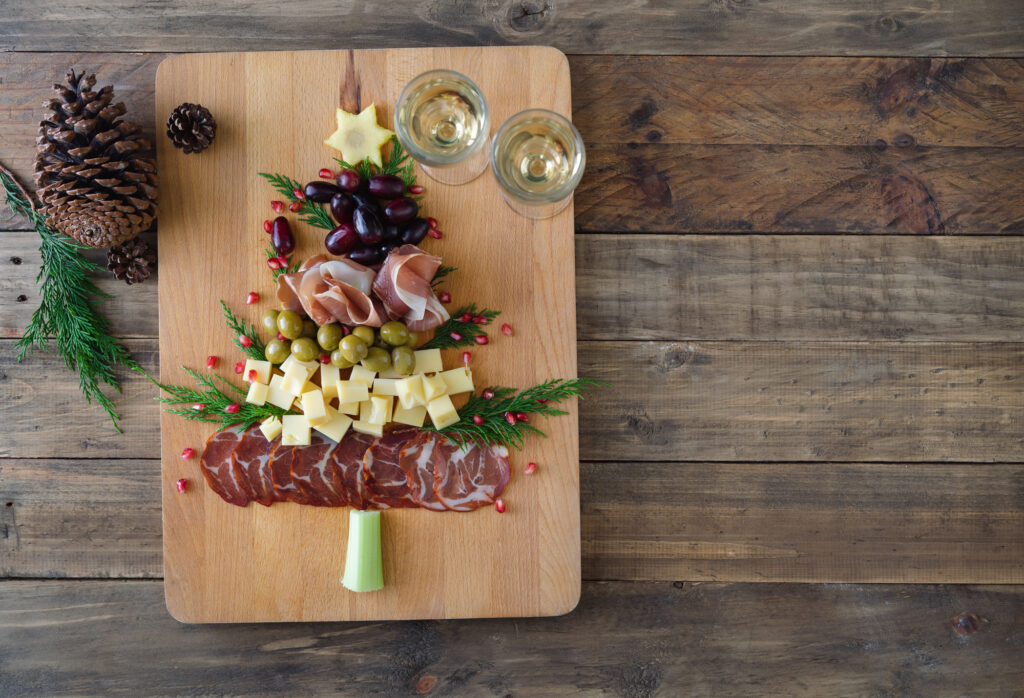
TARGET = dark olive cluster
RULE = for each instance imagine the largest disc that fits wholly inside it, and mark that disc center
(374, 215)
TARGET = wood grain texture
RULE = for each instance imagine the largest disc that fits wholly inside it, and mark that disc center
(500, 255)
(770, 27)
(885, 522)
(74, 638)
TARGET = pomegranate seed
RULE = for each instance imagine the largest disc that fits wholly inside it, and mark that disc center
(444, 297)
(530, 468)
(244, 340)
(211, 363)
(295, 206)
(198, 407)
(466, 317)
(499, 505)
(542, 400)
(510, 418)
(253, 297)
(325, 359)
(478, 420)
(466, 357)
(266, 226)
(182, 485)
(281, 337)
(251, 378)
(481, 339)
(455, 336)
(480, 320)
(487, 394)
(506, 330)
(436, 234)
(273, 263)
(233, 408)
(282, 262)
(278, 206)
(325, 173)
(416, 189)
(239, 367)
(521, 417)
(346, 330)
(298, 194)
(187, 453)
(432, 223)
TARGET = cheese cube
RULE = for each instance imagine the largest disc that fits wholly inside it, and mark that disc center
(258, 393)
(361, 374)
(295, 378)
(329, 376)
(384, 386)
(428, 361)
(413, 416)
(314, 409)
(442, 412)
(295, 430)
(335, 426)
(349, 408)
(349, 391)
(380, 410)
(277, 395)
(458, 380)
(410, 391)
(307, 388)
(271, 428)
(367, 428)
(262, 369)
(433, 387)
(310, 366)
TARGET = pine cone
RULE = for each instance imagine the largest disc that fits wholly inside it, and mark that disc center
(191, 127)
(95, 174)
(131, 262)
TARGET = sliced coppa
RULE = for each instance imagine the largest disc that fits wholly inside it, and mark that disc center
(311, 472)
(281, 475)
(217, 467)
(469, 477)
(347, 468)
(416, 461)
(385, 480)
(251, 460)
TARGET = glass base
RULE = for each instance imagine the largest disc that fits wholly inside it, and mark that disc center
(462, 172)
(536, 211)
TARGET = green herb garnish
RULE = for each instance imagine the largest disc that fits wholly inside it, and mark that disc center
(291, 267)
(440, 274)
(257, 349)
(311, 212)
(455, 332)
(397, 163)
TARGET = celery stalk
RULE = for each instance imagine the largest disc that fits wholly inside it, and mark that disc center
(364, 566)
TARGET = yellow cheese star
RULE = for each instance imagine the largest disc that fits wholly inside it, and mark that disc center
(359, 137)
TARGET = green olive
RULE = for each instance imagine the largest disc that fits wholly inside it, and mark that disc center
(277, 351)
(338, 360)
(394, 333)
(289, 323)
(270, 321)
(329, 336)
(377, 359)
(414, 339)
(353, 349)
(403, 360)
(305, 349)
(309, 328)
(364, 333)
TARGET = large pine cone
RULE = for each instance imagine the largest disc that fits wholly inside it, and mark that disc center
(191, 127)
(95, 174)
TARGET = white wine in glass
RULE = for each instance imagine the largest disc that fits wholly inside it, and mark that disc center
(442, 121)
(538, 159)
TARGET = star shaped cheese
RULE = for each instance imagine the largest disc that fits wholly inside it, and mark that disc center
(359, 137)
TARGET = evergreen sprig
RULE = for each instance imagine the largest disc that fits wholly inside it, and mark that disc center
(440, 274)
(290, 268)
(257, 349)
(396, 163)
(455, 332)
(67, 312)
(311, 212)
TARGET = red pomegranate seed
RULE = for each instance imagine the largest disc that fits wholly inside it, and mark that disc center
(510, 418)
(187, 453)
(278, 206)
(273, 263)
(253, 297)
(416, 189)
(211, 363)
(295, 206)
(346, 330)
(239, 367)
(530, 468)
(198, 407)
(506, 330)
(478, 420)
(282, 261)
(444, 297)
(253, 375)
(325, 173)
(499, 505)
(487, 394)
(325, 359)
(244, 340)
(432, 223)
(466, 357)
(182, 485)
(480, 320)
(481, 339)
(281, 337)
(436, 234)
(521, 417)
(455, 336)
(266, 226)
(233, 408)
(466, 317)
(298, 194)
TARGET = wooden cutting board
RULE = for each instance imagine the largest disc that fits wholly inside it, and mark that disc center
(228, 564)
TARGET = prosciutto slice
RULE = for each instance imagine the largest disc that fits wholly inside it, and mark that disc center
(416, 461)
(385, 481)
(218, 470)
(403, 284)
(251, 460)
(468, 477)
(332, 291)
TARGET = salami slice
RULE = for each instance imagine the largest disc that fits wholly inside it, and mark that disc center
(385, 481)
(347, 468)
(281, 475)
(416, 461)
(311, 473)
(469, 477)
(218, 470)
(251, 459)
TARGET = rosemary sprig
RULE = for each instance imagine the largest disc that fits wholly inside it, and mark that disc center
(311, 212)
(257, 349)
(67, 311)
(496, 428)
(454, 332)
(440, 274)
(291, 267)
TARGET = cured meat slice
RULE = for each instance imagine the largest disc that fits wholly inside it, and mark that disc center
(385, 481)
(347, 468)
(403, 283)
(251, 459)
(311, 473)
(416, 461)
(281, 475)
(329, 291)
(217, 467)
(469, 477)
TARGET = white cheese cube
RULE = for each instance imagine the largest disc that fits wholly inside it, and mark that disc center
(307, 388)
(367, 428)
(458, 380)
(314, 409)
(310, 366)
(380, 410)
(413, 416)
(262, 369)
(428, 361)
(434, 387)
(295, 430)
(329, 376)
(410, 391)
(295, 378)
(361, 374)
(258, 393)
(335, 426)
(271, 428)
(349, 391)
(384, 386)
(277, 395)
(442, 412)
(349, 408)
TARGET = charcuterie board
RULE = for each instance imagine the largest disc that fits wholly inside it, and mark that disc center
(224, 563)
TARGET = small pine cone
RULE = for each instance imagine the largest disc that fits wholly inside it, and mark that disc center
(191, 127)
(131, 262)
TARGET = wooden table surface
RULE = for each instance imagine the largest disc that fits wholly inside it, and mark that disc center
(803, 276)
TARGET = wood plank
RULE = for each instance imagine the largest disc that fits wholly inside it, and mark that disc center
(817, 27)
(928, 522)
(631, 639)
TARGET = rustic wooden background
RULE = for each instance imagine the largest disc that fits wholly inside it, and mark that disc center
(803, 276)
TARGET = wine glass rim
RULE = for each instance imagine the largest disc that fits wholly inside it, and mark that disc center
(405, 137)
(579, 164)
